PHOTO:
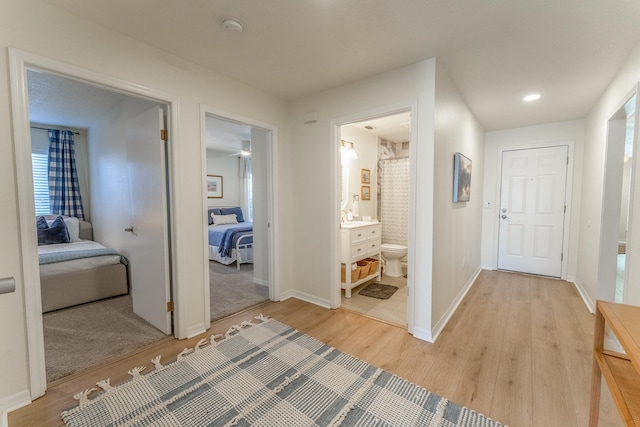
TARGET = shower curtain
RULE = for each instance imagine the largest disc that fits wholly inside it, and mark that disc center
(394, 200)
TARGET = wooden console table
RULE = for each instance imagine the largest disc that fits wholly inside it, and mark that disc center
(620, 371)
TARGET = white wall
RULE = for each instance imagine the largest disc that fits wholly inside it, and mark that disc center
(220, 163)
(621, 87)
(523, 137)
(316, 194)
(366, 145)
(26, 25)
(456, 226)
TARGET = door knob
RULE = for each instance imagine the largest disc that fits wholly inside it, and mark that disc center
(129, 229)
(505, 217)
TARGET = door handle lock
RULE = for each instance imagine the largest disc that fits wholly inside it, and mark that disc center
(505, 217)
(130, 230)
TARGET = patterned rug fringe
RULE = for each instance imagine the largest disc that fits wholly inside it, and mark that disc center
(83, 396)
(305, 368)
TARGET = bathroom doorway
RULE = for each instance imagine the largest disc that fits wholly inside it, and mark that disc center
(374, 177)
(616, 270)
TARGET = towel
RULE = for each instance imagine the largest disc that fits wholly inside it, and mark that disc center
(356, 208)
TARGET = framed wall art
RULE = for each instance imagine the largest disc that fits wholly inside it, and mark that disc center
(461, 178)
(365, 192)
(365, 176)
(214, 186)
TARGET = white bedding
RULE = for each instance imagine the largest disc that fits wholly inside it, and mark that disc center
(76, 264)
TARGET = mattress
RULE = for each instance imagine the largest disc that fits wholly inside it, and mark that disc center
(76, 264)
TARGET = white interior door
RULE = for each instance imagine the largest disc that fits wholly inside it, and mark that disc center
(532, 209)
(149, 256)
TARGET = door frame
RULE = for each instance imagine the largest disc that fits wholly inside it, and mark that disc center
(611, 199)
(19, 62)
(566, 226)
(272, 197)
(334, 207)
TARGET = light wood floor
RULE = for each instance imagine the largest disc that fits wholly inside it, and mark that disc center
(518, 350)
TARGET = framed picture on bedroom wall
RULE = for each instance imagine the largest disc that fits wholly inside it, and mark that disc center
(214, 186)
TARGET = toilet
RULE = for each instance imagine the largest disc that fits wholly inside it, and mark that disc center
(392, 255)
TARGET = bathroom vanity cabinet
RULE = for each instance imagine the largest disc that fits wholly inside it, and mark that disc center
(359, 240)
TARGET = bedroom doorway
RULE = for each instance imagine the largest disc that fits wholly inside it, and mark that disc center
(123, 102)
(238, 204)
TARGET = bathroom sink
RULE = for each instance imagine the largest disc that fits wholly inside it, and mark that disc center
(355, 224)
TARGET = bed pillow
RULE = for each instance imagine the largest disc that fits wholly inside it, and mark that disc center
(212, 212)
(236, 210)
(73, 226)
(56, 233)
(224, 219)
(41, 223)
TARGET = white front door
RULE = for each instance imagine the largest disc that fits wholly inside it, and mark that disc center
(532, 209)
(149, 225)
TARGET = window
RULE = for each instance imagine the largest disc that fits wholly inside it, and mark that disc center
(40, 165)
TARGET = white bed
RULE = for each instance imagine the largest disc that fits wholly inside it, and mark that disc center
(81, 280)
(240, 245)
(75, 264)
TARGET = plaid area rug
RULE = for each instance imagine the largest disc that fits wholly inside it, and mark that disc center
(266, 374)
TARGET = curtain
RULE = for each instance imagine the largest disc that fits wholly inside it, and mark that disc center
(246, 191)
(394, 194)
(64, 188)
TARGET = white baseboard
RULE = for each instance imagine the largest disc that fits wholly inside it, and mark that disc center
(486, 267)
(591, 306)
(305, 297)
(261, 282)
(12, 403)
(196, 330)
(422, 334)
(442, 322)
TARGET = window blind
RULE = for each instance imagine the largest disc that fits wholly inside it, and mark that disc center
(40, 165)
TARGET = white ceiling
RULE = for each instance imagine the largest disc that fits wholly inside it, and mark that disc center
(227, 136)
(395, 127)
(496, 51)
(60, 101)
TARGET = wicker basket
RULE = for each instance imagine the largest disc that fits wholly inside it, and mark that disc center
(374, 263)
(355, 274)
(364, 266)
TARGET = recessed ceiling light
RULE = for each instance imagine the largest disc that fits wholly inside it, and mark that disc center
(532, 97)
(231, 24)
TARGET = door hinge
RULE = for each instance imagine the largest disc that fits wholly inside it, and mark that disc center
(565, 208)
(562, 257)
(567, 159)
(164, 135)
(170, 307)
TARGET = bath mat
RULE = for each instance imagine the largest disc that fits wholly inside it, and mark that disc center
(378, 290)
(266, 374)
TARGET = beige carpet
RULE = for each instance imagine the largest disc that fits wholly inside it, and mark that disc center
(232, 290)
(79, 337)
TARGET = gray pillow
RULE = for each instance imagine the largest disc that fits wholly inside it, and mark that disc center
(55, 233)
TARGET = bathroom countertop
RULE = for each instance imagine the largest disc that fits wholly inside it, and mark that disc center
(356, 224)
